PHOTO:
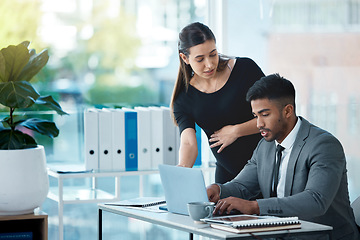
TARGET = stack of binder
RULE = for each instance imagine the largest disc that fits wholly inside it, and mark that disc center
(130, 139)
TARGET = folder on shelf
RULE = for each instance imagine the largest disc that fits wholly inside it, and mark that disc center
(105, 139)
(157, 136)
(169, 136)
(144, 138)
(118, 139)
(91, 139)
(16, 235)
(131, 147)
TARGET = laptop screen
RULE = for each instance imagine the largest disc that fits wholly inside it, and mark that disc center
(182, 185)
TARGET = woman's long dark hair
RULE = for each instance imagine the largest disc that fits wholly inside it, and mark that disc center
(191, 35)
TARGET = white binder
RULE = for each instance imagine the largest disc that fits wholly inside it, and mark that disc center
(169, 135)
(105, 139)
(144, 138)
(157, 136)
(91, 139)
(118, 140)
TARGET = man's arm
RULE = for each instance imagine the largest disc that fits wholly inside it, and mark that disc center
(213, 192)
(246, 184)
(231, 195)
(226, 205)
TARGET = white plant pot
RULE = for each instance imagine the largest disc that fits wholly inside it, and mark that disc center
(24, 183)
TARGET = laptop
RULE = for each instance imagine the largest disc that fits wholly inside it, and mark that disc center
(182, 185)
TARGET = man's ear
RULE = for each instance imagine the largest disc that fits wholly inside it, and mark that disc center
(288, 110)
(184, 58)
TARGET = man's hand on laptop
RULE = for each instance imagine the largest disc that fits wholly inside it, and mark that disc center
(226, 205)
(213, 192)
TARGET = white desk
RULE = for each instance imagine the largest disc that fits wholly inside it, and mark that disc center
(186, 224)
(78, 195)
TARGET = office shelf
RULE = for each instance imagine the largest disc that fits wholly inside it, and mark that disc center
(86, 194)
(75, 194)
(36, 223)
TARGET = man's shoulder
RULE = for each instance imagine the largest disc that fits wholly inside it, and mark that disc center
(312, 130)
(311, 133)
(264, 145)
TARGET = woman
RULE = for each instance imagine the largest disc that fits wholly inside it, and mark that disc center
(210, 91)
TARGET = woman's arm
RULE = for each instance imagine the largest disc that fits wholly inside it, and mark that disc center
(188, 148)
(228, 134)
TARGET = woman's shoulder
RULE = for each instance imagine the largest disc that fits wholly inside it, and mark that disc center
(248, 65)
(184, 96)
(244, 60)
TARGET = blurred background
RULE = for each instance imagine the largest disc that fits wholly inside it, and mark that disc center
(124, 53)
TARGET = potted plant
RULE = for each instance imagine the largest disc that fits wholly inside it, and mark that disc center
(24, 181)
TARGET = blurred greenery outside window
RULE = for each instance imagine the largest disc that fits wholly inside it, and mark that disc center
(102, 53)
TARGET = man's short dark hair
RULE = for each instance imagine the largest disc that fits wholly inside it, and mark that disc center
(273, 87)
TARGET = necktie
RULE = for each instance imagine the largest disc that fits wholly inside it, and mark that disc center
(278, 154)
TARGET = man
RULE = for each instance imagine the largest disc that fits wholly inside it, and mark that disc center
(311, 180)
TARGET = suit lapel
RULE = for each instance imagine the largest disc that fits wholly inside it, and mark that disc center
(294, 155)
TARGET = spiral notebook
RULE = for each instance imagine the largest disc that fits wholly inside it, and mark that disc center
(250, 223)
(139, 202)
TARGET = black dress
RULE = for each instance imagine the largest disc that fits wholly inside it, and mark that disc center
(227, 106)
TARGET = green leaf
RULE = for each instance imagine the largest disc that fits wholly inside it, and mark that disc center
(41, 126)
(16, 121)
(26, 43)
(2, 68)
(15, 140)
(17, 94)
(16, 58)
(32, 52)
(6, 122)
(35, 64)
(49, 102)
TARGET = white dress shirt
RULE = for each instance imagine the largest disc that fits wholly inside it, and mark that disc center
(288, 145)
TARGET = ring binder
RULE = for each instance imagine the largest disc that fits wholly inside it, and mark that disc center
(250, 223)
(139, 202)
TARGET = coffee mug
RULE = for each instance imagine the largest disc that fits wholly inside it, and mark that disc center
(199, 210)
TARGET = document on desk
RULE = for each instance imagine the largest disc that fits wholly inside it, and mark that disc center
(139, 202)
(142, 203)
(150, 209)
(69, 168)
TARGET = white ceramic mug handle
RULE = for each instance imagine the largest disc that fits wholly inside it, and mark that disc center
(208, 208)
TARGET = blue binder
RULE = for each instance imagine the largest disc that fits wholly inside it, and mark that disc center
(131, 148)
(198, 139)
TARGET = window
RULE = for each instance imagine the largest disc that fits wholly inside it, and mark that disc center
(125, 52)
(315, 45)
(102, 52)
